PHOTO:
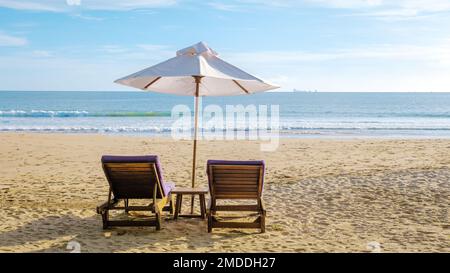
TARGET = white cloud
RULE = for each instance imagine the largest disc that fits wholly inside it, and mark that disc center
(432, 53)
(73, 2)
(402, 9)
(383, 67)
(113, 49)
(381, 9)
(149, 52)
(375, 68)
(389, 9)
(67, 5)
(33, 5)
(153, 47)
(383, 6)
(126, 5)
(87, 17)
(423, 5)
(41, 53)
(8, 40)
(348, 4)
(224, 6)
(156, 52)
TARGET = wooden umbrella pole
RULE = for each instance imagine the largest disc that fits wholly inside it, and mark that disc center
(194, 151)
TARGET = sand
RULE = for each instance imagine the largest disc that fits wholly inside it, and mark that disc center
(322, 195)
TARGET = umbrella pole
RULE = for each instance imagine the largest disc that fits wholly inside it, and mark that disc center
(194, 151)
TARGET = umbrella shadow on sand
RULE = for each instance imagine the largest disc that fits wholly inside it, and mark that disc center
(72, 233)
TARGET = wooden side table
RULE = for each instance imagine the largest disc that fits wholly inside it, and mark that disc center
(190, 191)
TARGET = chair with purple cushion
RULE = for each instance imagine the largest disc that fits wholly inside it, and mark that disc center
(135, 177)
(235, 180)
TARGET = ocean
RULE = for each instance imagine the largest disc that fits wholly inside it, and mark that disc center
(301, 114)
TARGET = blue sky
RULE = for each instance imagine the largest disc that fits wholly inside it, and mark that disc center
(325, 45)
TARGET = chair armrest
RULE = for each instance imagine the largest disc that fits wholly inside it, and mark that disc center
(101, 208)
(106, 205)
(170, 183)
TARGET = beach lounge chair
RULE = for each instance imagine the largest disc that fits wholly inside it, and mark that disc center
(235, 180)
(135, 177)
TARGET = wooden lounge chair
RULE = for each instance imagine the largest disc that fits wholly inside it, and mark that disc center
(236, 180)
(135, 177)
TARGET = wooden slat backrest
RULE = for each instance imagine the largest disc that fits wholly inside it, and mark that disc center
(235, 181)
(132, 180)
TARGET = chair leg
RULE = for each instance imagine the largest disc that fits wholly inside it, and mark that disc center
(210, 220)
(126, 205)
(158, 220)
(263, 221)
(202, 206)
(181, 202)
(177, 206)
(172, 204)
(192, 203)
(105, 218)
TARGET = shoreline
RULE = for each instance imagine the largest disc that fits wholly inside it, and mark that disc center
(283, 135)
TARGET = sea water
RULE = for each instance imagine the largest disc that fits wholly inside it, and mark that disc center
(301, 114)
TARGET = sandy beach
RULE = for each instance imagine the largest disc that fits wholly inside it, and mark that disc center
(321, 195)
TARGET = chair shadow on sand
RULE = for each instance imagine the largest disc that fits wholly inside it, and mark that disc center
(54, 233)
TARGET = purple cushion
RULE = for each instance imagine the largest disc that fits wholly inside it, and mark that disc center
(238, 162)
(166, 186)
(129, 159)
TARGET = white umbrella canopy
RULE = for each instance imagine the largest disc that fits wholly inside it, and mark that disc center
(196, 71)
(176, 75)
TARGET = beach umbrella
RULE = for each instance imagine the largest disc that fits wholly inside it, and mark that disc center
(196, 71)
